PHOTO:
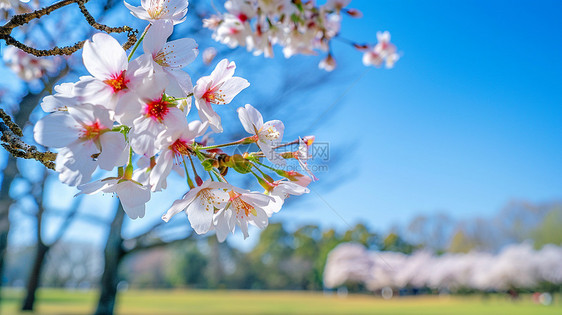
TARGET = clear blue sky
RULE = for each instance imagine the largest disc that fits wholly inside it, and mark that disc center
(470, 117)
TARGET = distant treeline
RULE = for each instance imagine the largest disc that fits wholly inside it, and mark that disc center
(295, 260)
(284, 259)
(280, 260)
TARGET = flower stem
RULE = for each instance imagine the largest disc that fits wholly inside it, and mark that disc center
(219, 176)
(189, 182)
(138, 43)
(286, 144)
(266, 166)
(221, 145)
(197, 178)
(267, 177)
(184, 98)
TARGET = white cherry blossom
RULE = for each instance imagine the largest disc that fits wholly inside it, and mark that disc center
(282, 189)
(173, 144)
(200, 204)
(171, 57)
(85, 133)
(26, 66)
(114, 81)
(232, 31)
(383, 51)
(267, 134)
(153, 10)
(218, 88)
(243, 208)
(63, 98)
(157, 115)
(132, 194)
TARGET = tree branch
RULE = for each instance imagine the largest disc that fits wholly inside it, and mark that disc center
(21, 19)
(12, 142)
(139, 244)
(67, 50)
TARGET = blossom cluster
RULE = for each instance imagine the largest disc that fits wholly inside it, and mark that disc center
(13, 4)
(516, 266)
(26, 66)
(131, 115)
(300, 27)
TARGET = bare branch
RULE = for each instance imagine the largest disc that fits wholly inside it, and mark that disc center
(16, 147)
(10, 124)
(68, 50)
(90, 19)
(136, 244)
(21, 19)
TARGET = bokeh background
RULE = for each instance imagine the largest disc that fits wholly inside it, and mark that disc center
(456, 149)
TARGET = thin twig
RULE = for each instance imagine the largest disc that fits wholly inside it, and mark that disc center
(21, 19)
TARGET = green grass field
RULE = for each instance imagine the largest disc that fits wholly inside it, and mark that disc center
(62, 302)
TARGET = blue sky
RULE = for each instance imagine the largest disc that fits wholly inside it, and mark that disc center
(470, 117)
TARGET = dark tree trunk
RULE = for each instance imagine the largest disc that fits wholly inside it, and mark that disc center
(9, 174)
(3, 247)
(35, 276)
(27, 105)
(113, 255)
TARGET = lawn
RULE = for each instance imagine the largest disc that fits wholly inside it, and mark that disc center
(62, 302)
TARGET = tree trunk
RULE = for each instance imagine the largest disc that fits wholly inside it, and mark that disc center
(3, 247)
(113, 255)
(9, 174)
(27, 104)
(35, 276)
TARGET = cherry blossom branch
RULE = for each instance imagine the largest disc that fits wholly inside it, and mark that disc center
(90, 19)
(68, 50)
(11, 138)
(22, 19)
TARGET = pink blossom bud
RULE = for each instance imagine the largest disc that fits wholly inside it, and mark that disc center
(309, 140)
(354, 13)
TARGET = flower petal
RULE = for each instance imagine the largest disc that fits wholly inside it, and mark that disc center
(161, 170)
(112, 147)
(179, 53)
(251, 119)
(224, 70)
(56, 130)
(104, 57)
(200, 214)
(181, 204)
(156, 37)
(207, 114)
(230, 88)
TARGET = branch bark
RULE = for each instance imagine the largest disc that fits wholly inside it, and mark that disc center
(22, 19)
(11, 138)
